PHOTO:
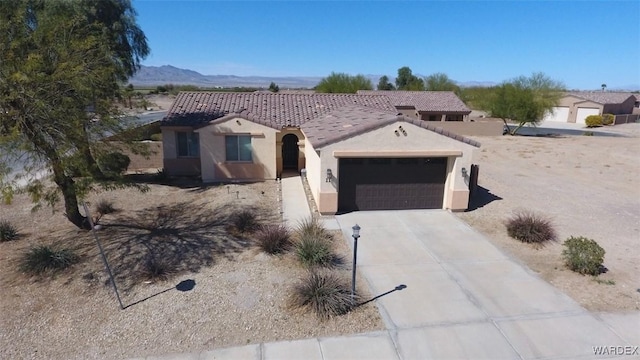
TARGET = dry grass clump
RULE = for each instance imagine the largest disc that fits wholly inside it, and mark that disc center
(325, 293)
(532, 228)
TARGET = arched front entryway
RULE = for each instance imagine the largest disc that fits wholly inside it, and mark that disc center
(290, 152)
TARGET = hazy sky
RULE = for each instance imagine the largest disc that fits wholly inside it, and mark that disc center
(581, 43)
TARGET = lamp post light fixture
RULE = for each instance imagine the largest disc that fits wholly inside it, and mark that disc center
(355, 235)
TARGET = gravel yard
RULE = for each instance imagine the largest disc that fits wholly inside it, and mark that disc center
(239, 297)
(588, 186)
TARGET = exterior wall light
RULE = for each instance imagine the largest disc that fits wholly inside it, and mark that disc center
(464, 172)
(329, 175)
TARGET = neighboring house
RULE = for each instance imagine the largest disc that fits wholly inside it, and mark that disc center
(426, 105)
(574, 107)
(358, 152)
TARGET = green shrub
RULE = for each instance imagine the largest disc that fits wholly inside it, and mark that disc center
(154, 268)
(607, 119)
(314, 251)
(8, 232)
(583, 255)
(114, 164)
(325, 293)
(530, 228)
(156, 137)
(273, 239)
(245, 221)
(42, 258)
(105, 207)
(593, 121)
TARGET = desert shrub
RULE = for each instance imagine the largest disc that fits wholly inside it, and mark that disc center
(8, 232)
(607, 119)
(587, 133)
(273, 239)
(156, 268)
(105, 207)
(324, 293)
(593, 121)
(245, 221)
(114, 164)
(530, 228)
(314, 251)
(42, 258)
(311, 227)
(583, 255)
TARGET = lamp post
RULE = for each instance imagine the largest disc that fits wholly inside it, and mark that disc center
(355, 235)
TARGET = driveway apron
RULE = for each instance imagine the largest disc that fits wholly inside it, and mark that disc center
(464, 298)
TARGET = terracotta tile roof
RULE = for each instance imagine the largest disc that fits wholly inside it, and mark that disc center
(436, 101)
(601, 97)
(353, 120)
(271, 109)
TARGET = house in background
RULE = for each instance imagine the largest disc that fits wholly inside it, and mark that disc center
(359, 151)
(426, 105)
(574, 107)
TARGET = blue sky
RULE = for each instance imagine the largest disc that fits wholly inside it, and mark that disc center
(581, 43)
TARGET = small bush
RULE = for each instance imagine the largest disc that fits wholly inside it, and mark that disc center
(314, 251)
(245, 221)
(324, 293)
(593, 121)
(530, 228)
(583, 255)
(105, 207)
(8, 232)
(607, 119)
(273, 239)
(311, 227)
(154, 268)
(42, 258)
(156, 137)
(114, 164)
(587, 133)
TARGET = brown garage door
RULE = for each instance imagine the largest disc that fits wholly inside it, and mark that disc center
(391, 183)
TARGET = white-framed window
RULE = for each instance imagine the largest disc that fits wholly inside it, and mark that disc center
(238, 148)
(188, 144)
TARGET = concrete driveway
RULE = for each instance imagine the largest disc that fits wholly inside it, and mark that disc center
(464, 298)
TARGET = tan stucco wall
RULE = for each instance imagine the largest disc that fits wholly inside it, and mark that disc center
(383, 142)
(212, 151)
(476, 128)
(314, 177)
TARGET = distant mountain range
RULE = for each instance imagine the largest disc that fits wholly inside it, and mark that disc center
(167, 74)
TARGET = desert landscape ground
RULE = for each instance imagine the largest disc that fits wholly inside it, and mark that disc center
(587, 186)
(240, 294)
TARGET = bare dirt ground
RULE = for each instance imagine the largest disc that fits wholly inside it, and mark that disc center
(240, 294)
(588, 186)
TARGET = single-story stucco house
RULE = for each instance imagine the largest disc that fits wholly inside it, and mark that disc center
(358, 151)
(574, 107)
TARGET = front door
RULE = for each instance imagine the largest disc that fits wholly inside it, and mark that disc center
(290, 152)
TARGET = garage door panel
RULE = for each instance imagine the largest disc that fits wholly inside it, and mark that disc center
(582, 114)
(559, 114)
(390, 184)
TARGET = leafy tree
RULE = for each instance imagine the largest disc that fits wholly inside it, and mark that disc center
(407, 81)
(61, 65)
(384, 84)
(603, 86)
(525, 100)
(343, 83)
(273, 87)
(440, 82)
